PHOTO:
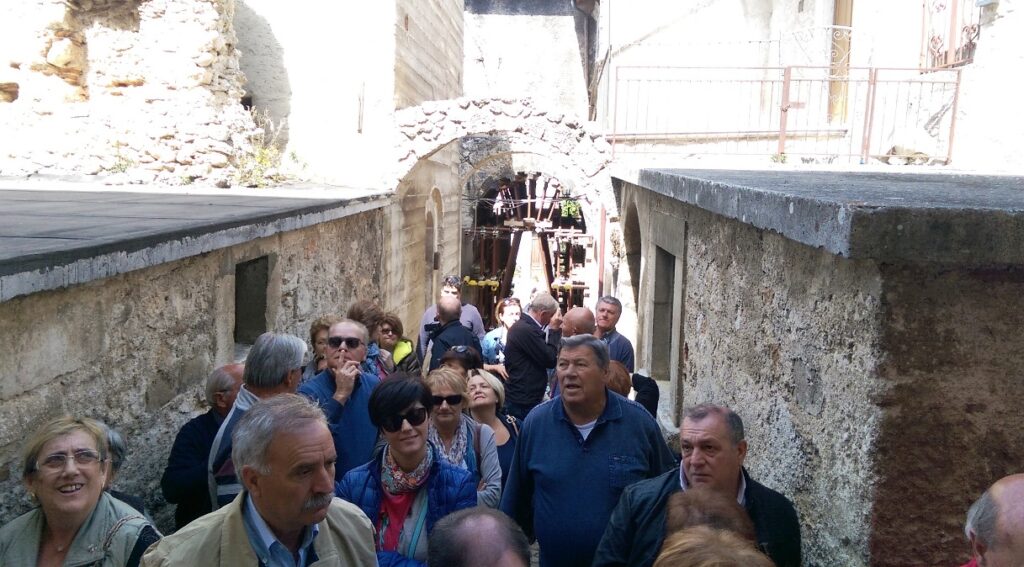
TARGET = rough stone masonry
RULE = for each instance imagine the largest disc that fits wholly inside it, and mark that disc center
(142, 91)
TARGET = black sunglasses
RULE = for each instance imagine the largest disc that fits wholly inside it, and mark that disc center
(350, 342)
(393, 423)
(452, 400)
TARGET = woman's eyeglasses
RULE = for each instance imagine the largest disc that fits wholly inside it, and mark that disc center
(57, 461)
(393, 423)
(387, 331)
(461, 349)
(350, 342)
(452, 400)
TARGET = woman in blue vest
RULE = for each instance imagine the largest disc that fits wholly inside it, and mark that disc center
(461, 440)
(407, 487)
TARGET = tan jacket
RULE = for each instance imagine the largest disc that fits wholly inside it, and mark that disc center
(219, 538)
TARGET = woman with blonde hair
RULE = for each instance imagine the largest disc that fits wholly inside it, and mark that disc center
(460, 440)
(64, 467)
(702, 546)
(486, 398)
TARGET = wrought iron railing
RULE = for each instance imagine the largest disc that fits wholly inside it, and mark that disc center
(827, 114)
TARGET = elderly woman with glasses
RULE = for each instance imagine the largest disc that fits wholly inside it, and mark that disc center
(508, 312)
(64, 467)
(393, 340)
(460, 439)
(407, 487)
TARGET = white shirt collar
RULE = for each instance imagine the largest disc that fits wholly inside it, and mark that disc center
(741, 497)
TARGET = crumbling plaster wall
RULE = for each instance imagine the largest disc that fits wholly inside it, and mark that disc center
(135, 349)
(148, 90)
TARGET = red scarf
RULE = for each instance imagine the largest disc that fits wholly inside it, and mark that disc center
(394, 509)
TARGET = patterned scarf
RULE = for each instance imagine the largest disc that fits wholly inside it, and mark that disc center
(457, 454)
(397, 481)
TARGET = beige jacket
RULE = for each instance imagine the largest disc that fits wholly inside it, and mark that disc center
(219, 538)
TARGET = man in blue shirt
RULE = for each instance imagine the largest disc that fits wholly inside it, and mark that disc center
(343, 392)
(575, 455)
(609, 309)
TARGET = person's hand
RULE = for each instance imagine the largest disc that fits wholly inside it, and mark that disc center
(345, 380)
(555, 324)
(498, 369)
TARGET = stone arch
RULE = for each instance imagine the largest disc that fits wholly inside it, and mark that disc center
(632, 238)
(429, 127)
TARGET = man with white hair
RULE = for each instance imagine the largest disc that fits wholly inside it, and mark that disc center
(529, 352)
(287, 513)
(185, 481)
(273, 367)
(995, 525)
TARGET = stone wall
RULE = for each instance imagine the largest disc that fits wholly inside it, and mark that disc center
(141, 91)
(428, 51)
(881, 397)
(135, 349)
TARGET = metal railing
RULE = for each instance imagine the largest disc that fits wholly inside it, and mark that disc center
(854, 114)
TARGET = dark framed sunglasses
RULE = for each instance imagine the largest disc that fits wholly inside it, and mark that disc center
(350, 342)
(452, 400)
(387, 331)
(393, 423)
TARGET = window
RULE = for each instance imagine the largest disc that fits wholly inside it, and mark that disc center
(951, 30)
(251, 279)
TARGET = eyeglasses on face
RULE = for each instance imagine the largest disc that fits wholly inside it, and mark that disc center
(452, 400)
(350, 342)
(393, 423)
(387, 331)
(57, 461)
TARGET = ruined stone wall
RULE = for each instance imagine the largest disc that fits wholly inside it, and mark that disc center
(147, 90)
(135, 349)
(788, 336)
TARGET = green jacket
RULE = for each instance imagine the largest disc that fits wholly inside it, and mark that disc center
(219, 539)
(105, 539)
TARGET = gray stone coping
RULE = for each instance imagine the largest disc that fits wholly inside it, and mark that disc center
(947, 218)
(55, 238)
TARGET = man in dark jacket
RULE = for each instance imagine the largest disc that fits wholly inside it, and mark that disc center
(450, 332)
(185, 480)
(529, 352)
(713, 448)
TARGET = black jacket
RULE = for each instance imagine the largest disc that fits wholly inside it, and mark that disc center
(637, 526)
(444, 337)
(528, 356)
(185, 481)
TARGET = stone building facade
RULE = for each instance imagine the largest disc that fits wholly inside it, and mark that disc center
(864, 327)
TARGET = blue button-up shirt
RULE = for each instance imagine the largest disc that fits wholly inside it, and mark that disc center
(270, 551)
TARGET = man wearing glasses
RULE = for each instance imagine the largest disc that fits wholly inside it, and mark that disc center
(342, 390)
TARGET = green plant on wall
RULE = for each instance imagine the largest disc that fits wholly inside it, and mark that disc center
(571, 208)
(260, 165)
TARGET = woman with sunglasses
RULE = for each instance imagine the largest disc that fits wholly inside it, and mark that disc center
(460, 439)
(392, 339)
(508, 312)
(407, 487)
(64, 467)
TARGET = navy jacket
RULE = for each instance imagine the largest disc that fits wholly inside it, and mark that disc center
(185, 479)
(637, 527)
(354, 435)
(528, 356)
(452, 333)
(562, 489)
(619, 348)
(449, 489)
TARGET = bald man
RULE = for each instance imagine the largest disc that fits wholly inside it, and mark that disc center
(185, 482)
(450, 331)
(578, 321)
(995, 524)
(478, 537)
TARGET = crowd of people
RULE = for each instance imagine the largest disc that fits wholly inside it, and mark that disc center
(458, 450)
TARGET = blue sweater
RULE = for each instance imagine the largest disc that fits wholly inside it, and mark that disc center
(185, 481)
(562, 489)
(354, 435)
